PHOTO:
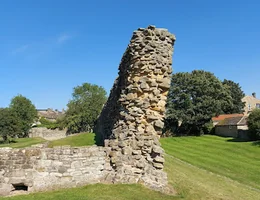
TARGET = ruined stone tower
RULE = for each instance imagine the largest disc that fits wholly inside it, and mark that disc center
(130, 126)
(132, 119)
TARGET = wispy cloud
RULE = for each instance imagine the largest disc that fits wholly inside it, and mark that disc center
(42, 46)
(20, 49)
(63, 38)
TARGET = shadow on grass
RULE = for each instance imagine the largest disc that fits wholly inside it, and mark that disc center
(238, 140)
(98, 140)
(256, 143)
(10, 142)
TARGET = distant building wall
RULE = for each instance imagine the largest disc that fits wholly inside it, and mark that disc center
(251, 103)
(242, 132)
(236, 131)
(226, 131)
(50, 114)
(47, 134)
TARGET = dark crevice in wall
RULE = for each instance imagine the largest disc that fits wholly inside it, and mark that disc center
(20, 187)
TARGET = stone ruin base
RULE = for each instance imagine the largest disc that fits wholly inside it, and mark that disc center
(38, 169)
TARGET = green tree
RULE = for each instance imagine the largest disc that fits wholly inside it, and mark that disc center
(25, 111)
(254, 124)
(194, 98)
(84, 108)
(10, 125)
(237, 94)
(57, 124)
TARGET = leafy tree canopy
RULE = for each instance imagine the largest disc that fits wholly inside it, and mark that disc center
(254, 124)
(10, 125)
(85, 107)
(194, 98)
(237, 94)
(25, 111)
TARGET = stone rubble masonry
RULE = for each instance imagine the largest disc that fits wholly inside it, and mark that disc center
(132, 119)
(130, 126)
(42, 169)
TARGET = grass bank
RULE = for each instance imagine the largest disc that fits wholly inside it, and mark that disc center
(99, 192)
(239, 161)
(82, 139)
(193, 183)
(23, 142)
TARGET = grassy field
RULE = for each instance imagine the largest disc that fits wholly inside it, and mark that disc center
(99, 192)
(239, 161)
(193, 183)
(199, 168)
(23, 142)
(83, 139)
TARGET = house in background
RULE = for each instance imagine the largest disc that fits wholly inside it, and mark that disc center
(234, 125)
(50, 114)
(251, 103)
(220, 118)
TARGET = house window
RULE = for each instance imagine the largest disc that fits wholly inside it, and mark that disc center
(258, 105)
(249, 106)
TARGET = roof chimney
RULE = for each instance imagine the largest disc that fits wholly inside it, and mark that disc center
(254, 94)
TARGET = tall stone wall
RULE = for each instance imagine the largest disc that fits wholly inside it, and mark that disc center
(132, 119)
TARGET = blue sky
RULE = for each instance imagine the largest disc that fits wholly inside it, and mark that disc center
(48, 47)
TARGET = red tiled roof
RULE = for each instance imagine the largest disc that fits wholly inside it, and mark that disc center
(230, 121)
(222, 117)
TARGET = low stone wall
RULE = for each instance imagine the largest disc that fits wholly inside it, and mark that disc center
(47, 134)
(40, 169)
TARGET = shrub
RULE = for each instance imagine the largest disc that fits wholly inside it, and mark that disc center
(209, 128)
(50, 125)
(254, 125)
(84, 108)
(25, 112)
(10, 124)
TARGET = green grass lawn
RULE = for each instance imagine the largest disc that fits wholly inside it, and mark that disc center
(193, 183)
(99, 192)
(199, 168)
(83, 139)
(23, 142)
(239, 161)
